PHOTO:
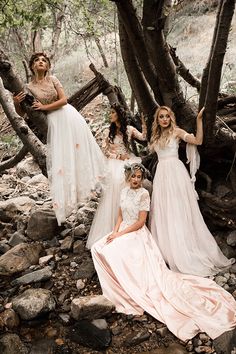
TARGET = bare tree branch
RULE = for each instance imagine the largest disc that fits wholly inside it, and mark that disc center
(4, 165)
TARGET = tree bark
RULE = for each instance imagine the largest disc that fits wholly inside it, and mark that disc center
(29, 139)
(216, 62)
(4, 165)
(139, 86)
(133, 29)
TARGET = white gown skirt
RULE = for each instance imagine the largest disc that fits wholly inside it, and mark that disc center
(177, 224)
(75, 162)
(107, 211)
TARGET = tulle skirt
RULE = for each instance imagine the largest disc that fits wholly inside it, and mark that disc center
(178, 226)
(107, 211)
(135, 278)
(75, 162)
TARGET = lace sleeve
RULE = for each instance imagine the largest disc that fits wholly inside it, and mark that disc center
(144, 201)
(134, 133)
(56, 82)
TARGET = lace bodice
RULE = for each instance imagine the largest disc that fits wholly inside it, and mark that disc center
(113, 149)
(132, 201)
(170, 150)
(45, 91)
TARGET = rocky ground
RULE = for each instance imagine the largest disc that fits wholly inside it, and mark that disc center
(50, 298)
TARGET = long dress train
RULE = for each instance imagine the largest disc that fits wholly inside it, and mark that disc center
(135, 278)
(75, 162)
(176, 222)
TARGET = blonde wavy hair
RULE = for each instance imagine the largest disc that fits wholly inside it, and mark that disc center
(162, 136)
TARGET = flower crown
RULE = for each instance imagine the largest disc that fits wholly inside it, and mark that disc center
(131, 168)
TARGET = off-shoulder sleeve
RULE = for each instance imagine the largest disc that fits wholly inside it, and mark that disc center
(56, 82)
(144, 201)
(134, 133)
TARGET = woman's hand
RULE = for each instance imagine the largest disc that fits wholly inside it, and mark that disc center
(17, 99)
(200, 113)
(112, 236)
(38, 106)
(124, 157)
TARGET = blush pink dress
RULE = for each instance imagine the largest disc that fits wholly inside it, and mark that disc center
(134, 277)
(107, 211)
(176, 222)
(75, 162)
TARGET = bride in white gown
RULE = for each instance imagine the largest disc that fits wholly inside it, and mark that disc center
(75, 162)
(175, 219)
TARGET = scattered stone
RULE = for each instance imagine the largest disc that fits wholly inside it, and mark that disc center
(12, 207)
(33, 302)
(27, 167)
(67, 243)
(16, 239)
(4, 247)
(34, 277)
(174, 348)
(42, 225)
(136, 338)
(9, 319)
(80, 230)
(65, 232)
(10, 343)
(86, 270)
(225, 343)
(233, 268)
(231, 238)
(64, 317)
(44, 260)
(162, 331)
(80, 284)
(88, 334)
(90, 307)
(19, 258)
(220, 280)
(43, 346)
(78, 247)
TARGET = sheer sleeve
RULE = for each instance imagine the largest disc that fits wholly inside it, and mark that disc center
(134, 133)
(144, 201)
(56, 82)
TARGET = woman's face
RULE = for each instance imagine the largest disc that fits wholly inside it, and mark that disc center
(135, 180)
(40, 63)
(113, 116)
(164, 118)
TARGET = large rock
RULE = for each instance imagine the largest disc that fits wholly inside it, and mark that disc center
(27, 167)
(11, 344)
(231, 238)
(34, 277)
(19, 258)
(225, 343)
(90, 307)
(9, 209)
(33, 303)
(42, 225)
(90, 335)
(9, 319)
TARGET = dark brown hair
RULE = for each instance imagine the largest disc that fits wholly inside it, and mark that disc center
(36, 55)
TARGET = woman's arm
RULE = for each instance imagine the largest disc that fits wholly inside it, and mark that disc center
(119, 221)
(62, 101)
(134, 227)
(136, 134)
(190, 138)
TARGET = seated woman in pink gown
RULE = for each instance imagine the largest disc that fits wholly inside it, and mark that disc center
(176, 222)
(135, 278)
